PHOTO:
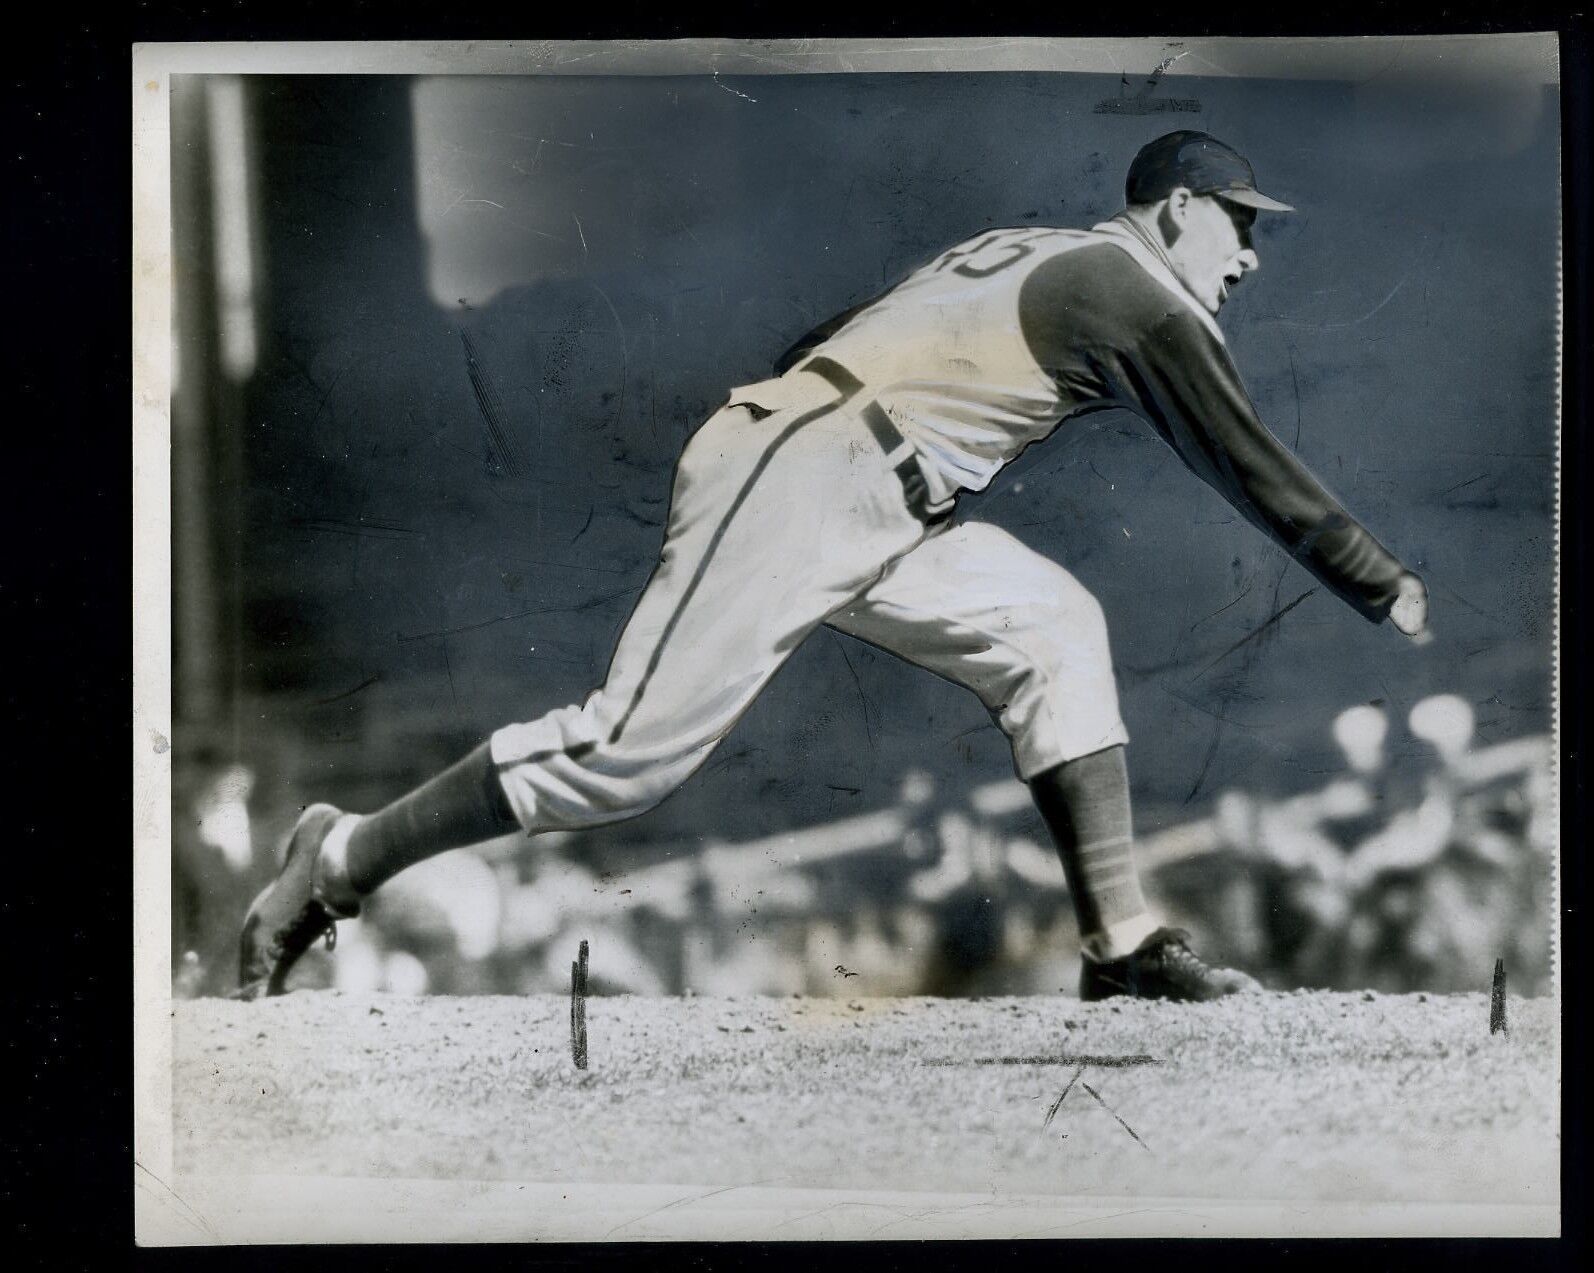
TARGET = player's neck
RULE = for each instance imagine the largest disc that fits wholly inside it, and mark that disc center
(1145, 229)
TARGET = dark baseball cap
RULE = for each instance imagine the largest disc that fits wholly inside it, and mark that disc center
(1200, 163)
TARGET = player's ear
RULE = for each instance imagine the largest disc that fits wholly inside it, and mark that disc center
(1178, 205)
(1174, 214)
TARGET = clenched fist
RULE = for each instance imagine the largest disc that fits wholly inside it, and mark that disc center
(1410, 612)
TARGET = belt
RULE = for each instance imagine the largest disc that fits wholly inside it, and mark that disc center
(898, 450)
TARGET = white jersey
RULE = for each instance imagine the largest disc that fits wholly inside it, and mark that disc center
(990, 346)
(945, 352)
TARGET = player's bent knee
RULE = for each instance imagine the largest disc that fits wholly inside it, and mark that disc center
(1070, 632)
(1060, 698)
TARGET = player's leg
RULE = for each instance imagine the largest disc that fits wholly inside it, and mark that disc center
(977, 607)
(774, 522)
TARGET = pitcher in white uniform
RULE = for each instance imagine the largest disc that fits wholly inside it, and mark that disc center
(825, 496)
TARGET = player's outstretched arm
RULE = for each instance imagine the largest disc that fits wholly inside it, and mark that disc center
(1188, 387)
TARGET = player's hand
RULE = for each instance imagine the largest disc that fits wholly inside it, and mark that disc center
(1409, 614)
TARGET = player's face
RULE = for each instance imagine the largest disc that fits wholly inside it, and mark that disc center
(1213, 251)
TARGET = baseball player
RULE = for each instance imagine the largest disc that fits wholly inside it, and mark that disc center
(825, 494)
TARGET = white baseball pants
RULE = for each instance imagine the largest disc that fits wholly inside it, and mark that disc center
(784, 517)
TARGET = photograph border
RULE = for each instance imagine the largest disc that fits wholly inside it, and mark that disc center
(174, 1210)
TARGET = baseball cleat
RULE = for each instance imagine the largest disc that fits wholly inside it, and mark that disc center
(1162, 967)
(290, 913)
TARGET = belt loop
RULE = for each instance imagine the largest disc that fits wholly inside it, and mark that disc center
(842, 380)
(899, 452)
(885, 434)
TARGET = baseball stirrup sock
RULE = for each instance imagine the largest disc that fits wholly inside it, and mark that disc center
(465, 804)
(1086, 805)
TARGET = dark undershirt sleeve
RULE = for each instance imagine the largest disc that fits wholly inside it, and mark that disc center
(1183, 380)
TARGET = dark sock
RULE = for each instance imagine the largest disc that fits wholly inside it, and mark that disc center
(1086, 805)
(465, 804)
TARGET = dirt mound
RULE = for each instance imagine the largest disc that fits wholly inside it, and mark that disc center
(1322, 1097)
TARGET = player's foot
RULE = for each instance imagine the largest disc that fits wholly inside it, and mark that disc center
(291, 912)
(1162, 967)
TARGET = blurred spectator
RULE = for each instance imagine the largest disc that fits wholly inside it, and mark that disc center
(1365, 885)
(431, 930)
(213, 848)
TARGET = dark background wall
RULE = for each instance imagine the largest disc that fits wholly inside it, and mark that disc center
(615, 253)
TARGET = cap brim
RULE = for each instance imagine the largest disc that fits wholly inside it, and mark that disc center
(1253, 199)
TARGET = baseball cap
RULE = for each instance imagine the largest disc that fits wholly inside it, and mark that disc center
(1202, 164)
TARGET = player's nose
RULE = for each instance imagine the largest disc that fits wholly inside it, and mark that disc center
(1247, 261)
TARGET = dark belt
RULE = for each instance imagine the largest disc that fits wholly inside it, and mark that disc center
(914, 488)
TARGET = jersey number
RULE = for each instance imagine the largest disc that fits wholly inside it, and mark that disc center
(1015, 253)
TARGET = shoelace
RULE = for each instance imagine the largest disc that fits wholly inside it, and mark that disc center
(1176, 953)
(299, 936)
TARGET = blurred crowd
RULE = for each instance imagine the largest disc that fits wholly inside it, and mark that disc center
(1391, 878)
(1373, 882)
